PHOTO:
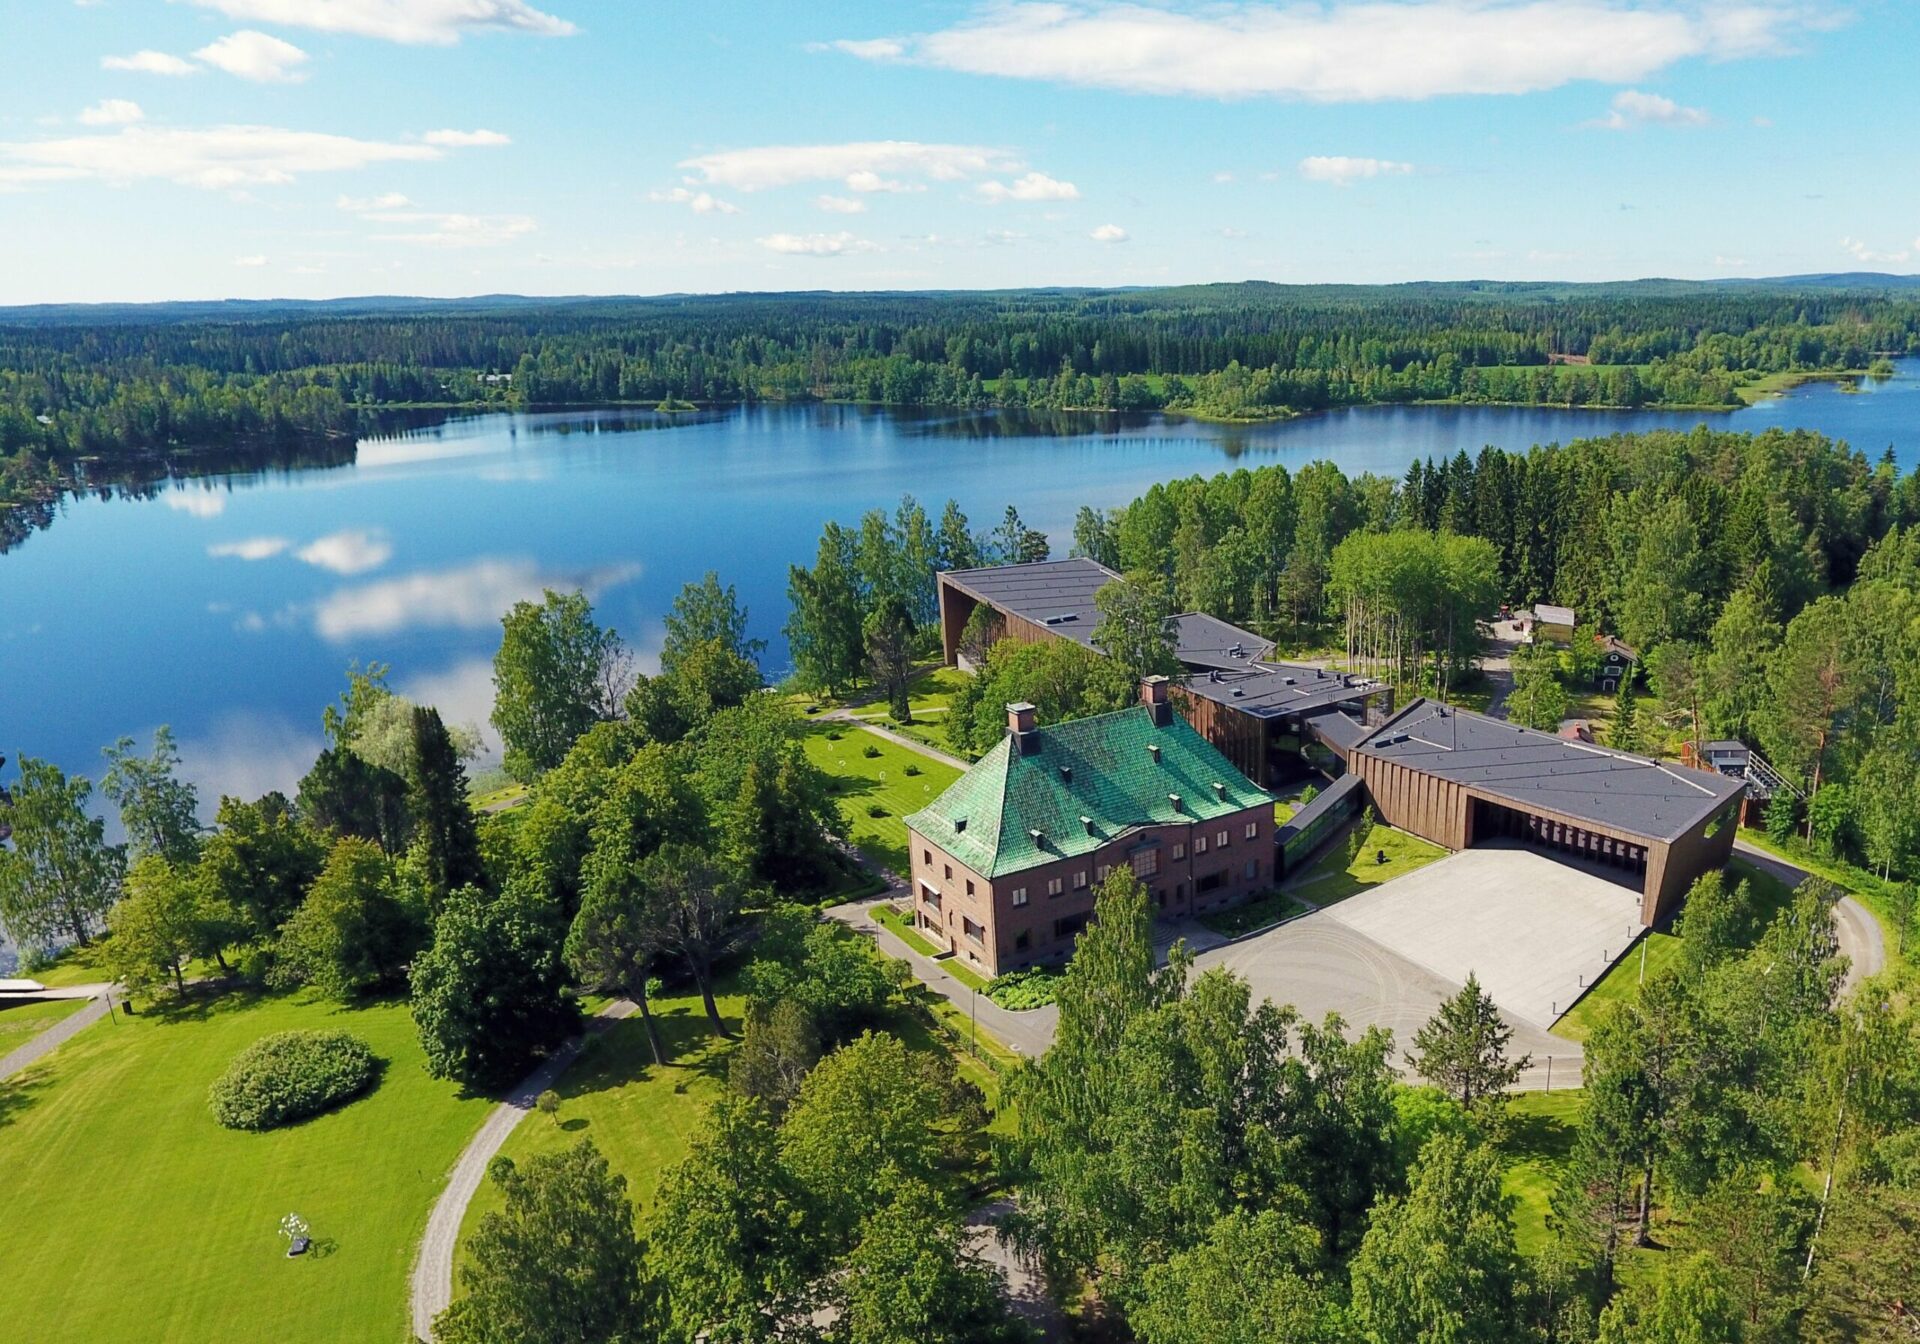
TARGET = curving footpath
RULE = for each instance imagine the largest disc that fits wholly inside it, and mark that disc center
(432, 1285)
(54, 1035)
(1858, 930)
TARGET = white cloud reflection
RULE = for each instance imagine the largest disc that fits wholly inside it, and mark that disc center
(470, 597)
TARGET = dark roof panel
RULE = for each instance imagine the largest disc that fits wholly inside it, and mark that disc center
(1057, 594)
(1531, 769)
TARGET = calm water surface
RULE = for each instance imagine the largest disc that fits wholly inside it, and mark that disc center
(229, 607)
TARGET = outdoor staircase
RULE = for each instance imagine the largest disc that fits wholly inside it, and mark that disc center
(1764, 780)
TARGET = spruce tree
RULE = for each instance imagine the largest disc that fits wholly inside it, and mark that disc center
(1463, 1048)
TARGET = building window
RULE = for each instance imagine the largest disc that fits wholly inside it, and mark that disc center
(1179, 853)
(929, 896)
(1080, 879)
(1199, 844)
(969, 886)
(926, 857)
(1021, 941)
(1220, 840)
(1211, 882)
(974, 931)
(1253, 868)
(1053, 886)
(1146, 863)
(1019, 895)
(1253, 830)
(949, 871)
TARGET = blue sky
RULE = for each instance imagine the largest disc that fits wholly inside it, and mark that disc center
(159, 149)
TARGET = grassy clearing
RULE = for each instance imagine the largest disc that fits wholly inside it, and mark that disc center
(901, 926)
(1540, 1135)
(75, 966)
(499, 799)
(1333, 878)
(1257, 914)
(132, 1215)
(1622, 980)
(21, 1022)
(880, 781)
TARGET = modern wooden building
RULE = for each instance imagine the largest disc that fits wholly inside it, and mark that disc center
(1266, 717)
(1006, 861)
(1459, 778)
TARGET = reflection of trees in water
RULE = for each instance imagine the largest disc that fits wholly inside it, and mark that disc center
(147, 475)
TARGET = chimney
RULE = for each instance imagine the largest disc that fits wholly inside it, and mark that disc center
(1175, 800)
(1153, 694)
(1026, 738)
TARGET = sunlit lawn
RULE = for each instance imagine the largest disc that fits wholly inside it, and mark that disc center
(130, 1214)
(1333, 878)
(76, 966)
(1540, 1135)
(901, 926)
(21, 1022)
(880, 781)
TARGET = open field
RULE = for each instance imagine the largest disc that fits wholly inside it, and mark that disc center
(1333, 878)
(880, 781)
(132, 1215)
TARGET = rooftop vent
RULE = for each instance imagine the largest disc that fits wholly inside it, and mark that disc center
(1238, 692)
(1287, 681)
(1063, 618)
(959, 824)
(1066, 774)
(1088, 823)
(1153, 750)
(1220, 790)
(1038, 837)
(1178, 805)
(1213, 674)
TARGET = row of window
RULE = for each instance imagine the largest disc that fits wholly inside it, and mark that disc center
(1145, 864)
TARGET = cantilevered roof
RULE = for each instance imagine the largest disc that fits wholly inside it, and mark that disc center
(1538, 771)
(1082, 784)
(1057, 594)
(1275, 690)
(1204, 641)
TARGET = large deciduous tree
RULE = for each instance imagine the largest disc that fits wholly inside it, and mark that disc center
(1133, 627)
(158, 809)
(260, 861)
(60, 876)
(557, 673)
(355, 931)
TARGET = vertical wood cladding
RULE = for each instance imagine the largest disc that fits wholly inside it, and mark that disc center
(1241, 738)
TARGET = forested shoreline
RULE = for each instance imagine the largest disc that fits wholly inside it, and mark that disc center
(128, 395)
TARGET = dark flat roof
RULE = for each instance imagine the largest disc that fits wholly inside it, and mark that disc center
(1272, 690)
(1534, 770)
(1207, 642)
(1057, 594)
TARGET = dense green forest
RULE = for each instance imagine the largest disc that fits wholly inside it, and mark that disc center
(131, 391)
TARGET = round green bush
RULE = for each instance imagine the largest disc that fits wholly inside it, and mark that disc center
(289, 1076)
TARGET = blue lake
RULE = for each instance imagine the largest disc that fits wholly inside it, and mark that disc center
(229, 607)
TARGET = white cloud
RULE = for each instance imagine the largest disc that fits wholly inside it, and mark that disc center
(471, 597)
(150, 63)
(200, 503)
(111, 112)
(1631, 108)
(1729, 263)
(862, 165)
(463, 693)
(1343, 170)
(252, 548)
(700, 202)
(413, 21)
(347, 552)
(1859, 251)
(246, 755)
(218, 157)
(391, 200)
(467, 139)
(252, 260)
(254, 56)
(816, 244)
(1109, 233)
(1223, 177)
(430, 229)
(841, 205)
(1032, 187)
(1361, 50)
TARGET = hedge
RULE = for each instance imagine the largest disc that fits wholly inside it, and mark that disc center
(289, 1076)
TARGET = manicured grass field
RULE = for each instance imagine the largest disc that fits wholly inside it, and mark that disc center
(866, 781)
(21, 1022)
(1541, 1131)
(1269, 909)
(132, 1215)
(965, 974)
(902, 928)
(1622, 982)
(1332, 878)
(76, 966)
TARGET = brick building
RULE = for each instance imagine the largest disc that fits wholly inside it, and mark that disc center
(1006, 861)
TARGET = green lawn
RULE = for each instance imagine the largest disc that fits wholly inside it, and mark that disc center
(1539, 1140)
(1622, 980)
(1258, 914)
(902, 928)
(1332, 878)
(21, 1022)
(882, 781)
(132, 1215)
(76, 966)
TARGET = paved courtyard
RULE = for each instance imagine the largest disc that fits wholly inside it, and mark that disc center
(1534, 929)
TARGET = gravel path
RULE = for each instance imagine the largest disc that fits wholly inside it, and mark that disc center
(432, 1288)
(1861, 941)
(47, 1040)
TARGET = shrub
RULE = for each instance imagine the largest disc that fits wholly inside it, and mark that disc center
(833, 734)
(871, 752)
(913, 769)
(875, 810)
(289, 1076)
(1031, 988)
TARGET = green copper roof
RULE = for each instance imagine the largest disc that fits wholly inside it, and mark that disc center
(1099, 768)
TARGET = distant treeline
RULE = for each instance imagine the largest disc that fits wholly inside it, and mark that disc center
(142, 386)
